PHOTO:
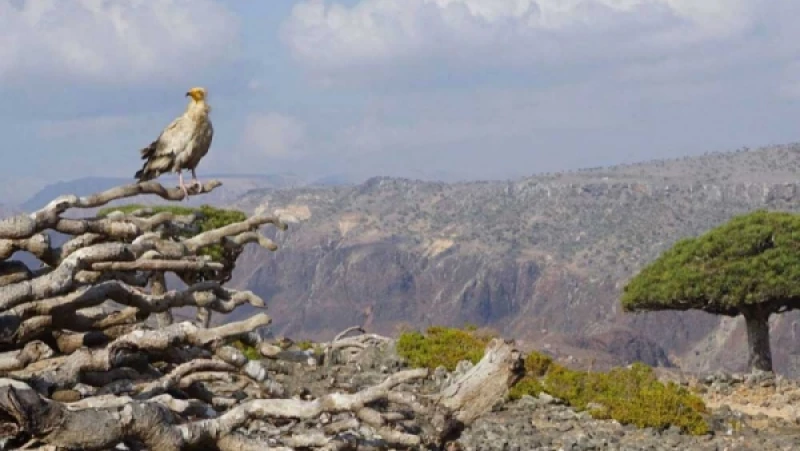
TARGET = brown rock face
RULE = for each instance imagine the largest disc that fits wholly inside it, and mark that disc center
(542, 258)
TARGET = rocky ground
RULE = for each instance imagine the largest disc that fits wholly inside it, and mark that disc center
(747, 412)
(544, 424)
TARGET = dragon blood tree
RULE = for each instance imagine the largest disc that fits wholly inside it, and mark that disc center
(749, 266)
(196, 221)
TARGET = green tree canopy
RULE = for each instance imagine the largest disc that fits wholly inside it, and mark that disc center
(749, 266)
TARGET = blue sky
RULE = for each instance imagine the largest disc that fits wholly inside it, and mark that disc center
(420, 88)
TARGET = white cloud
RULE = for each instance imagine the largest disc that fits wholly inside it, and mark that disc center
(112, 41)
(328, 36)
(273, 135)
(559, 79)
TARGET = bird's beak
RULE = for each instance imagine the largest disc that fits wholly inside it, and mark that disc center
(188, 93)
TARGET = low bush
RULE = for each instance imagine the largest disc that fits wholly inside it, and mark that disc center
(442, 346)
(249, 351)
(631, 395)
(537, 364)
(526, 386)
(305, 345)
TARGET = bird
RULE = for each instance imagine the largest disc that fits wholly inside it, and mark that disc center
(182, 144)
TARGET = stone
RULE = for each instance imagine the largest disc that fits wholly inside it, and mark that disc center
(546, 399)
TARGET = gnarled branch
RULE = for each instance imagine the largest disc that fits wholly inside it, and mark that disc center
(25, 226)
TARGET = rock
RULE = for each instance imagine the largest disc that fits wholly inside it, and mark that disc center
(760, 378)
(566, 427)
(544, 398)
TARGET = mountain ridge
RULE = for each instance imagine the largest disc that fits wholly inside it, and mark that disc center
(542, 257)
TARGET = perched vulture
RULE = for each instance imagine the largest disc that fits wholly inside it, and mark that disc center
(182, 144)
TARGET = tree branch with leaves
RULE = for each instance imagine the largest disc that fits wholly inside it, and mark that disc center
(749, 266)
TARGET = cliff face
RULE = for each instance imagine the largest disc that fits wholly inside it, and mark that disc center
(542, 258)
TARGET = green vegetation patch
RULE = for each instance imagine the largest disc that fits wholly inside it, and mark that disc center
(752, 259)
(249, 351)
(537, 364)
(305, 345)
(629, 395)
(442, 346)
(211, 218)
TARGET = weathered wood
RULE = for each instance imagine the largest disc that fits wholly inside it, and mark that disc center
(82, 374)
(469, 396)
(474, 393)
(158, 286)
(25, 226)
(108, 423)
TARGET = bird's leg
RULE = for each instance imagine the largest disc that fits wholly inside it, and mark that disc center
(183, 187)
(196, 182)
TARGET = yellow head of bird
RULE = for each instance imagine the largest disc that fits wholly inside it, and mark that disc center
(197, 94)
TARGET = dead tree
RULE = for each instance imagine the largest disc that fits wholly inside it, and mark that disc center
(81, 367)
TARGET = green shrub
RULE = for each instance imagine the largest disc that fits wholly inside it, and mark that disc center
(305, 345)
(526, 386)
(537, 364)
(636, 396)
(629, 395)
(249, 351)
(442, 346)
(212, 218)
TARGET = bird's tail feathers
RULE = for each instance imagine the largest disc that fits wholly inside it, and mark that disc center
(154, 168)
(148, 151)
(144, 174)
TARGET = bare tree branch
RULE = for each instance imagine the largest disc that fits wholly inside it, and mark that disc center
(102, 425)
(157, 265)
(25, 226)
(87, 370)
(61, 279)
(217, 235)
(32, 352)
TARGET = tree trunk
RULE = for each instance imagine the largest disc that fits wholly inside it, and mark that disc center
(760, 357)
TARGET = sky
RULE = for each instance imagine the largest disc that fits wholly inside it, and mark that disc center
(450, 89)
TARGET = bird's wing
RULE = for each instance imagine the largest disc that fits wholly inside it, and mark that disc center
(204, 134)
(162, 154)
(172, 139)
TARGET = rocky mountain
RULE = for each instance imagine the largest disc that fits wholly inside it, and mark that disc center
(541, 258)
